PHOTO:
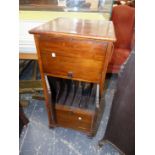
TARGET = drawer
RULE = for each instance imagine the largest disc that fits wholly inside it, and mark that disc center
(70, 67)
(75, 119)
(82, 48)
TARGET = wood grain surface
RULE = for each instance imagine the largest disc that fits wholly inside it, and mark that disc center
(79, 50)
(93, 29)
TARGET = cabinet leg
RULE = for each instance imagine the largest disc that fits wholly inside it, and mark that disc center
(51, 126)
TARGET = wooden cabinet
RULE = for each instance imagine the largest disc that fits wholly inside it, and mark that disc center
(73, 56)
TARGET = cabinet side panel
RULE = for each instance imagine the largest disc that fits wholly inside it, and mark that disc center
(49, 106)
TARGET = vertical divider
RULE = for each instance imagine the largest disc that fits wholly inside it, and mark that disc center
(49, 97)
(97, 100)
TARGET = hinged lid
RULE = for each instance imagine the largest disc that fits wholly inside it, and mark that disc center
(91, 29)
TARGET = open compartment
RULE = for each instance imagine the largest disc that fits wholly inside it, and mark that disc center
(73, 93)
(74, 103)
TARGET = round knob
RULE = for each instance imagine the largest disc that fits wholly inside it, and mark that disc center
(53, 55)
(79, 118)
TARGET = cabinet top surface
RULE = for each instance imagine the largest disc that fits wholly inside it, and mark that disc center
(92, 29)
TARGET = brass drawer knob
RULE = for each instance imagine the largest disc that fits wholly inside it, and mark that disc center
(79, 118)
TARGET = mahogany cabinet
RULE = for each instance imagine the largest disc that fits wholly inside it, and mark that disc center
(73, 56)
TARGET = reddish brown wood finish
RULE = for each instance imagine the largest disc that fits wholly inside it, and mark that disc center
(74, 118)
(93, 29)
(81, 48)
(49, 107)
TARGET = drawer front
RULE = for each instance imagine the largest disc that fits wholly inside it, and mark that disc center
(80, 48)
(70, 67)
(75, 120)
